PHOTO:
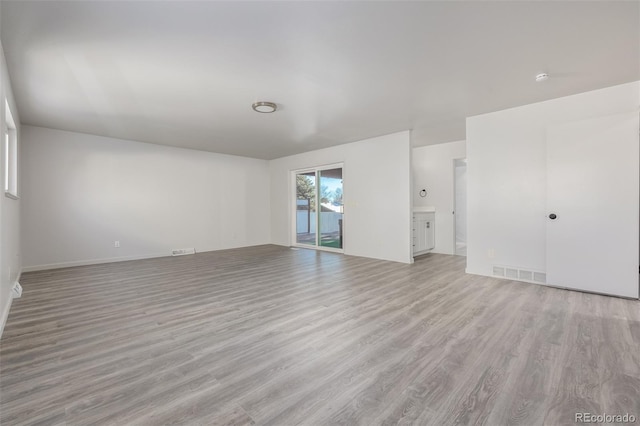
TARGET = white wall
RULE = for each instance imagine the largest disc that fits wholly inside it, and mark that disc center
(433, 170)
(81, 193)
(377, 195)
(460, 184)
(10, 259)
(506, 175)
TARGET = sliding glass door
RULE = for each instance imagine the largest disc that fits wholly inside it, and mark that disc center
(319, 208)
(306, 208)
(331, 208)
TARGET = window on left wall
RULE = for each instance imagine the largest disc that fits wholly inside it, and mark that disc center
(10, 155)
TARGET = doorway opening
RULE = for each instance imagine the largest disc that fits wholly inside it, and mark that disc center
(460, 206)
(319, 208)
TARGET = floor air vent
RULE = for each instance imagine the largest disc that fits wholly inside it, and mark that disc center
(182, 252)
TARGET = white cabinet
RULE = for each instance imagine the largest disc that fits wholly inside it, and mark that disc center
(423, 232)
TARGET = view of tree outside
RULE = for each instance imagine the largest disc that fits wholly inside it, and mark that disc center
(306, 190)
(337, 196)
(325, 194)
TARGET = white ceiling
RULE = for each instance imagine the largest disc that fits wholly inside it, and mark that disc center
(186, 73)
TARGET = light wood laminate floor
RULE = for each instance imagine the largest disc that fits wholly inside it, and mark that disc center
(269, 335)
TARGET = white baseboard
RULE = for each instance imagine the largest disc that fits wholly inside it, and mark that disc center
(71, 264)
(90, 262)
(5, 312)
(7, 306)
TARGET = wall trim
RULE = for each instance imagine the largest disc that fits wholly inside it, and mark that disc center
(557, 287)
(73, 263)
(5, 313)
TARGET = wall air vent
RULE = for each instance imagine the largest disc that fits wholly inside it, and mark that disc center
(512, 273)
(518, 274)
(525, 275)
(183, 252)
(540, 277)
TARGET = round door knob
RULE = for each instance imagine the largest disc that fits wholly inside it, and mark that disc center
(552, 216)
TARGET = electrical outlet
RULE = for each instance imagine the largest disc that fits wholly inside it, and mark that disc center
(182, 252)
(16, 290)
(491, 254)
(116, 244)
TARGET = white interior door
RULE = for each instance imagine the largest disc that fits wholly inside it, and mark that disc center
(592, 189)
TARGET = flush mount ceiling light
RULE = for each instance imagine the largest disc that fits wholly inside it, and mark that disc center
(264, 107)
(543, 76)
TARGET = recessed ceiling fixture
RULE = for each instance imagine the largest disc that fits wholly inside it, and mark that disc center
(264, 107)
(543, 76)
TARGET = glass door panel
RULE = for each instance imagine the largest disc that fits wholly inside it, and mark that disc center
(306, 219)
(331, 209)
